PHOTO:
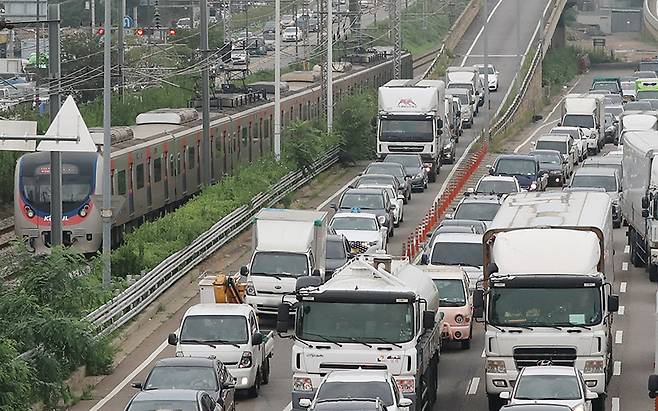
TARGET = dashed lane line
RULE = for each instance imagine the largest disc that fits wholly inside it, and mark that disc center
(477, 37)
(622, 287)
(627, 249)
(615, 403)
(624, 266)
(622, 310)
(473, 386)
(483, 354)
(616, 369)
(619, 337)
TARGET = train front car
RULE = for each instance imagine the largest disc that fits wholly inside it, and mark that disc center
(81, 224)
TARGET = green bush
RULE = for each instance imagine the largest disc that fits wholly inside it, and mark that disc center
(560, 65)
(352, 123)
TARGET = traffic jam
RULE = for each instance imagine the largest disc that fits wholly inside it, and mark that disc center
(368, 327)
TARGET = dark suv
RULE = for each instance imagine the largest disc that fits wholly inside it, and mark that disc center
(525, 168)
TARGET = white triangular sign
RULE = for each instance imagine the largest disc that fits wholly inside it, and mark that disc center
(68, 123)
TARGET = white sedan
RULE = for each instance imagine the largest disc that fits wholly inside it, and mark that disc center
(397, 200)
(362, 230)
(553, 385)
(292, 34)
(492, 76)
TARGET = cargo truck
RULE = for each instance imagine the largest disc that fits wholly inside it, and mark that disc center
(224, 327)
(545, 295)
(640, 198)
(287, 244)
(377, 312)
(467, 77)
(410, 120)
(637, 121)
(587, 112)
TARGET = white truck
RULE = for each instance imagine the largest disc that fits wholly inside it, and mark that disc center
(287, 244)
(377, 312)
(587, 112)
(637, 121)
(639, 204)
(469, 78)
(410, 120)
(545, 296)
(222, 326)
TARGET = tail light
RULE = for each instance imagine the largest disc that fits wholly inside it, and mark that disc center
(406, 385)
(245, 361)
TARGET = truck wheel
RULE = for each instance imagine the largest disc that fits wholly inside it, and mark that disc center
(432, 175)
(495, 403)
(266, 371)
(653, 273)
(255, 390)
(599, 403)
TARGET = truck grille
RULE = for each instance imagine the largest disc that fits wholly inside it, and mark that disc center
(533, 356)
(405, 149)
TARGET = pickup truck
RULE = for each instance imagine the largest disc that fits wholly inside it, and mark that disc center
(230, 333)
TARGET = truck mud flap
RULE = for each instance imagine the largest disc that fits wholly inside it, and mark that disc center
(427, 386)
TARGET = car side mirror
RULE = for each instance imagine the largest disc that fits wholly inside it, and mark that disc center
(429, 319)
(282, 318)
(591, 395)
(613, 303)
(478, 303)
(333, 206)
(653, 385)
(257, 338)
(228, 385)
(405, 402)
(172, 339)
(244, 271)
(505, 395)
(448, 216)
(491, 171)
(645, 202)
(559, 124)
(400, 197)
(424, 259)
(136, 384)
(316, 273)
(645, 213)
(304, 402)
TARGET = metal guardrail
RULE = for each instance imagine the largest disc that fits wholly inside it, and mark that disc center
(129, 303)
(651, 16)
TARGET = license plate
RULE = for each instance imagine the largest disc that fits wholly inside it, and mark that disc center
(355, 250)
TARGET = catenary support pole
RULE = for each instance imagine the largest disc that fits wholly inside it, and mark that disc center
(277, 80)
(330, 70)
(121, 46)
(54, 103)
(205, 93)
(487, 117)
(106, 212)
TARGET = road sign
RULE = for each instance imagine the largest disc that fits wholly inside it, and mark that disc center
(69, 122)
(128, 22)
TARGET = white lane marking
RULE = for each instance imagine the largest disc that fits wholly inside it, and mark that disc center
(616, 370)
(480, 32)
(494, 55)
(622, 287)
(340, 190)
(473, 386)
(619, 337)
(622, 310)
(624, 266)
(483, 354)
(627, 249)
(131, 376)
(288, 407)
(534, 133)
(615, 404)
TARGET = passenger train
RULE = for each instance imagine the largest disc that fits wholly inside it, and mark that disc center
(156, 163)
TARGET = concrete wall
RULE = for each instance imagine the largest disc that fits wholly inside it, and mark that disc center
(651, 18)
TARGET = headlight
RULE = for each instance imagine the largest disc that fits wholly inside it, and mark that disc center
(373, 243)
(406, 385)
(578, 408)
(179, 354)
(251, 290)
(29, 212)
(419, 175)
(533, 185)
(593, 367)
(245, 361)
(496, 367)
(302, 384)
(459, 318)
(84, 210)
(381, 219)
(448, 146)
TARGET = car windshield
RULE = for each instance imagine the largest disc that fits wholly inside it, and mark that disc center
(185, 378)
(354, 223)
(628, 85)
(644, 94)
(376, 180)
(215, 329)
(644, 74)
(371, 389)
(545, 306)
(496, 187)
(400, 130)
(609, 183)
(612, 99)
(547, 387)
(362, 201)
(451, 292)
(578, 120)
(336, 249)
(648, 66)
(391, 169)
(513, 166)
(477, 211)
(166, 405)
(406, 161)
(615, 110)
(560, 146)
(279, 264)
(483, 70)
(548, 158)
(467, 254)
(637, 106)
(355, 322)
(606, 85)
(463, 98)
(467, 86)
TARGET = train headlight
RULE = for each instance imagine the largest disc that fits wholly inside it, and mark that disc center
(84, 210)
(29, 212)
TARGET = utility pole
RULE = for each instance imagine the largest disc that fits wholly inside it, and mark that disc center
(54, 103)
(106, 212)
(395, 21)
(277, 80)
(205, 92)
(92, 7)
(121, 45)
(519, 51)
(485, 47)
(226, 18)
(330, 68)
(37, 31)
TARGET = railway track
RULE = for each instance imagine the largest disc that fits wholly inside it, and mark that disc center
(6, 232)
(424, 59)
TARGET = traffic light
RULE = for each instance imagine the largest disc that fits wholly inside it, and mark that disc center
(140, 32)
(100, 31)
(171, 31)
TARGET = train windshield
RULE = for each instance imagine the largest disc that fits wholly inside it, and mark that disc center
(78, 179)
